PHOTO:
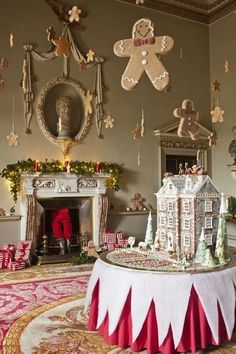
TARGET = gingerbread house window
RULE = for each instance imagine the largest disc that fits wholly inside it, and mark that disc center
(162, 204)
(162, 220)
(188, 184)
(186, 240)
(170, 206)
(208, 222)
(208, 206)
(186, 224)
(208, 239)
(162, 235)
(186, 206)
(169, 222)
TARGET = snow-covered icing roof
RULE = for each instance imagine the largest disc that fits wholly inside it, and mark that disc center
(185, 184)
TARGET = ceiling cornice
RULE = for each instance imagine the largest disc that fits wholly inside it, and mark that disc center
(206, 13)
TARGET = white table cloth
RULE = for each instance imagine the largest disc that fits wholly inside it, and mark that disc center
(170, 294)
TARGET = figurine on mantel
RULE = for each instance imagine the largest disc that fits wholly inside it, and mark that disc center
(138, 203)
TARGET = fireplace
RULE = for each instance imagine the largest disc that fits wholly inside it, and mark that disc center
(78, 217)
(84, 197)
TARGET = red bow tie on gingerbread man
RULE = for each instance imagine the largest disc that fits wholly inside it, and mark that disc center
(142, 50)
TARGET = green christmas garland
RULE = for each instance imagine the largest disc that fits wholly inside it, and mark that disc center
(13, 172)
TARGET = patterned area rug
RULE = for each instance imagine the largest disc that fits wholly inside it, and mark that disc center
(46, 316)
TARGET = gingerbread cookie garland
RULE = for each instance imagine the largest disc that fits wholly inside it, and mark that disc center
(188, 120)
(143, 50)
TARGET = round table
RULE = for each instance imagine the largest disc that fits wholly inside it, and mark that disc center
(162, 312)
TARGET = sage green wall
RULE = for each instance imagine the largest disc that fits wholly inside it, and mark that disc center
(222, 47)
(107, 22)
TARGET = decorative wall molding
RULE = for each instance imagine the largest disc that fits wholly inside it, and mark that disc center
(203, 11)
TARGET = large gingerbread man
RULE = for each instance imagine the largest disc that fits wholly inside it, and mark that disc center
(188, 120)
(143, 49)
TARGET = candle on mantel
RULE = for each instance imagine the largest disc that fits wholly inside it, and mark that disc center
(98, 167)
(36, 166)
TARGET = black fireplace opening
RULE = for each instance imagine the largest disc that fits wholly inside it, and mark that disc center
(60, 219)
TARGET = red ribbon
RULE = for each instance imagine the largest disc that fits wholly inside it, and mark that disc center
(139, 41)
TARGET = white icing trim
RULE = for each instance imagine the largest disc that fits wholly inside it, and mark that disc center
(162, 76)
(121, 46)
(115, 284)
(129, 79)
(163, 43)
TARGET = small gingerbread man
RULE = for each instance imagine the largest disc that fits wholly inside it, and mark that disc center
(188, 120)
(142, 50)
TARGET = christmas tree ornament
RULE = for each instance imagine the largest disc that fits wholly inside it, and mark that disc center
(226, 65)
(2, 83)
(11, 40)
(109, 121)
(143, 49)
(74, 13)
(216, 85)
(137, 132)
(90, 56)
(3, 63)
(217, 112)
(217, 115)
(188, 120)
(149, 230)
(142, 125)
(12, 138)
(87, 101)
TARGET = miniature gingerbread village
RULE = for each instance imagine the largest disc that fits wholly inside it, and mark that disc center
(191, 230)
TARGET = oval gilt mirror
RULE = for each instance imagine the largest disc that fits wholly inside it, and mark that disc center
(61, 113)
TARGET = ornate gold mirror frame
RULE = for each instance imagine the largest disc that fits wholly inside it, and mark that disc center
(62, 115)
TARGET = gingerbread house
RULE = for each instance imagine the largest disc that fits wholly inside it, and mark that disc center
(185, 205)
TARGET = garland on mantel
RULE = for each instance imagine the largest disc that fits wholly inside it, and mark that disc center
(13, 172)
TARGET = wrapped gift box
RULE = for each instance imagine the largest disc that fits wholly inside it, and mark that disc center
(110, 240)
(23, 252)
(122, 240)
(24, 245)
(16, 265)
(5, 258)
(6, 255)
(123, 243)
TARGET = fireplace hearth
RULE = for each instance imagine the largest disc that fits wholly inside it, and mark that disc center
(84, 197)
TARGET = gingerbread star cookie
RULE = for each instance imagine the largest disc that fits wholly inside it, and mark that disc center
(144, 50)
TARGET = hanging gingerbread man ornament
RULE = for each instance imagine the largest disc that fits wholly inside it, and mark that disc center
(144, 50)
(188, 120)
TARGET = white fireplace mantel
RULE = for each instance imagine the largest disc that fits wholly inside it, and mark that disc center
(63, 185)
